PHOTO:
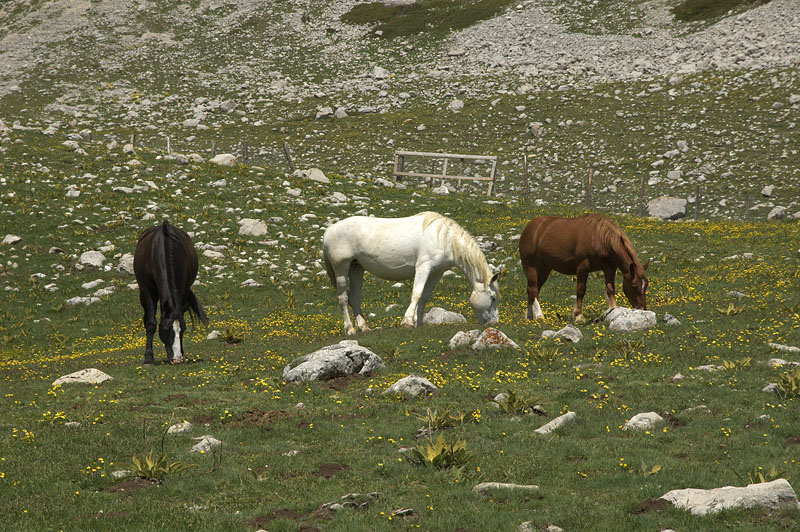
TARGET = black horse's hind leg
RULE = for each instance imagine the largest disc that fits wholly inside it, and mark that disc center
(149, 305)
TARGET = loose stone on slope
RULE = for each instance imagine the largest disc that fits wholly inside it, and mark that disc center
(84, 376)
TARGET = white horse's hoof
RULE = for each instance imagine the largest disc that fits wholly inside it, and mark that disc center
(578, 318)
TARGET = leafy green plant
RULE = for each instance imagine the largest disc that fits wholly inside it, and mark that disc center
(736, 365)
(647, 470)
(759, 475)
(516, 403)
(731, 310)
(545, 355)
(625, 348)
(788, 385)
(232, 335)
(435, 420)
(151, 467)
(440, 454)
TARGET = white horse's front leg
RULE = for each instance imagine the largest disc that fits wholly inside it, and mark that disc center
(420, 278)
(433, 278)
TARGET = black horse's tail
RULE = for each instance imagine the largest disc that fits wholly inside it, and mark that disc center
(195, 309)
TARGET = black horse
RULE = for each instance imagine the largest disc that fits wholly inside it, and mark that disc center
(165, 265)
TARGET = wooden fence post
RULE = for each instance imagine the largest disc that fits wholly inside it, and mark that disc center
(401, 165)
(213, 148)
(697, 203)
(287, 154)
(589, 188)
(169, 149)
(641, 196)
(526, 189)
(133, 139)
(747, 206)
(245, 153)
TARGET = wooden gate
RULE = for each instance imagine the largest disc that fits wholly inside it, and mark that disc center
(400, 159)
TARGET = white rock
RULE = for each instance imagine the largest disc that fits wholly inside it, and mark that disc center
(485, 487)
(84, 376)
(126, 264)
(777, 213)
(411, 386)
(214, 255)
(220, 183)
(771, 495)
(92, 284)
(205, 444)
(78, 300)
(380, 73)
(456, 106)
(628, 319)
(312, 174)
(439, 316)
(338, 360)
(568, 333)
(252, 227)
(180, 428)
(92, 258)
(643, 421)
(464, 338)
(442, 190)
(492, 338)
(767, 190)
(556, 424)
(250, 283)
(785, 348)
(10, 239)
(225, 159)
(213, 335)
(667, 208)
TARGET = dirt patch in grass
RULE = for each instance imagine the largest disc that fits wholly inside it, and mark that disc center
(328, 470)
(652, 505)
(673, 421)
(259, 418)
(132, 484)
(284, 513)
(341, 383)
(792, 440)
(203, 419)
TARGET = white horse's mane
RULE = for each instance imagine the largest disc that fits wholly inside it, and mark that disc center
(466, 252)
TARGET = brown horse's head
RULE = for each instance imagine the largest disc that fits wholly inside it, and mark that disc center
(634, 284)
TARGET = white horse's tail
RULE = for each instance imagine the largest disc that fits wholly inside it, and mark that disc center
(329, 268)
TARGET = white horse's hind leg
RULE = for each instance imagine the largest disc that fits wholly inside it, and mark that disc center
(354, 294)
(420, 278)
(341, 296)
(426, 293)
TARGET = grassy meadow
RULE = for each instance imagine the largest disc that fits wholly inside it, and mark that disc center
(730, 277)
(281, 462)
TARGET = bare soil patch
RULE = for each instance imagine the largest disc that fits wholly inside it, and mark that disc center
(328, 470)
(132, 484)
(652, 505)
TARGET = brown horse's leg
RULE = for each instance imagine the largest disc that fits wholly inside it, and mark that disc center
(149, 305)
(536, 276)
(609, 273)
(583, 275)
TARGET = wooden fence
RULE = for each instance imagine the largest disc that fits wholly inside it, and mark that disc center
(400, 160)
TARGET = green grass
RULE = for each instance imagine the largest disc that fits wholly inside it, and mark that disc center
(434, 17)
(695, 10)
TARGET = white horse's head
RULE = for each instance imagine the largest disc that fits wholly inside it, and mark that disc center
(484, 301)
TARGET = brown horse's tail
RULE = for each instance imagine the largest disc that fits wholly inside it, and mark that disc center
(329, 268)
(195, 309)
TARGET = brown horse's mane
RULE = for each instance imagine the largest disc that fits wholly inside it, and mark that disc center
(612, 236)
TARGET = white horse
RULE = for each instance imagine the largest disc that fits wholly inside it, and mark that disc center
(423, 246)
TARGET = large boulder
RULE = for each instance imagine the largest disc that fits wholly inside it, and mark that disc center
(667, 208)
(643, 421)
(252, 227)
(771, 495)
(338, 360)
(411, 386)
(464, 338)
(84, 376)
(628, 319)
(440, 316)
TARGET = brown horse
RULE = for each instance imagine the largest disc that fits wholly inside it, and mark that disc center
(577, 246)
(165, 264)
